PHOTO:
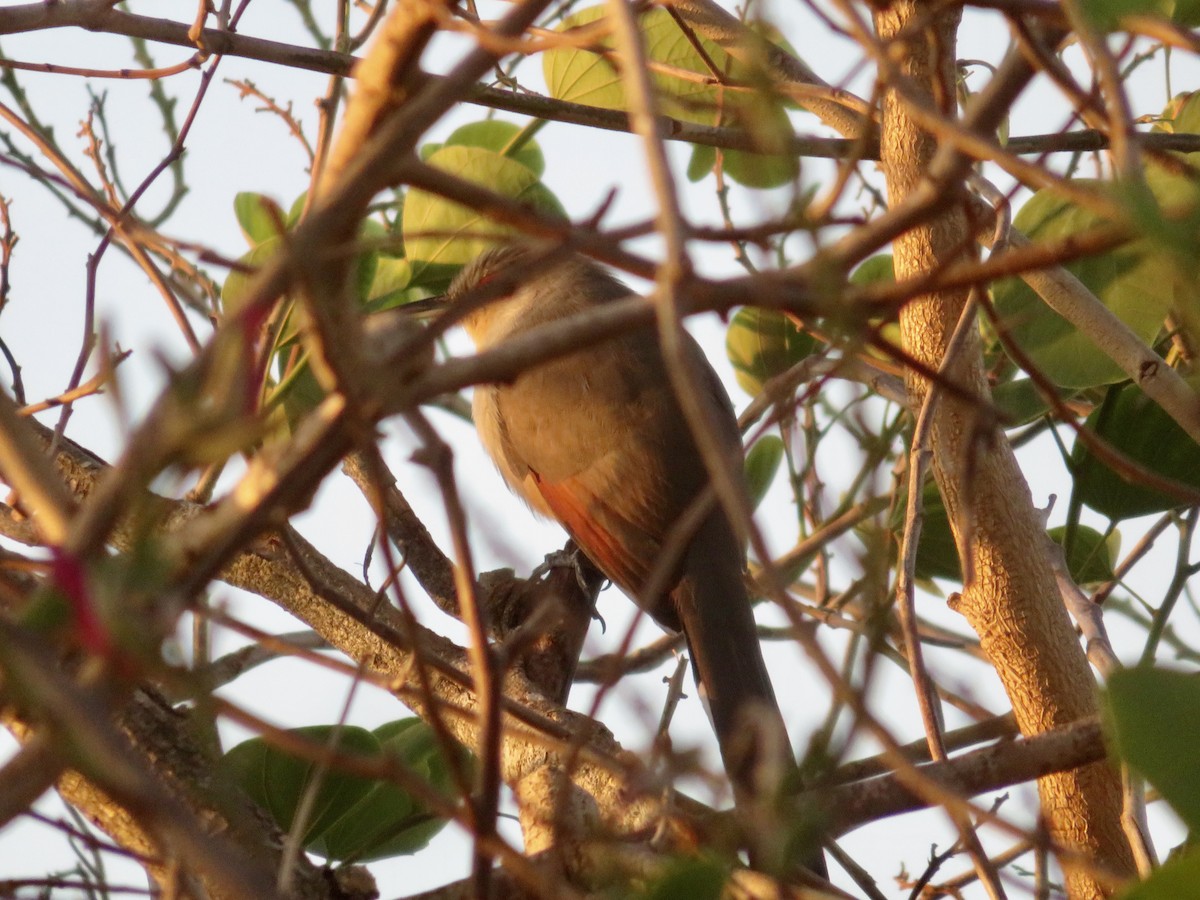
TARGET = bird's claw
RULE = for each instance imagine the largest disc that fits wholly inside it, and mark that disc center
(569, 558)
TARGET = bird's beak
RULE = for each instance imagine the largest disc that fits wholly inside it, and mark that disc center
(425, 308)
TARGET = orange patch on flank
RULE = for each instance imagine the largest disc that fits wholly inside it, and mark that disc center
(571, 505)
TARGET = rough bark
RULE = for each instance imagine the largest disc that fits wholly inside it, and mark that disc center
(1011, 601)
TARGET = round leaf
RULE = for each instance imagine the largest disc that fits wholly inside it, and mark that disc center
(762, 462)
(1157, 731)
(689, 879)
(233, 292)
(1182, 114)
(1177, 879)
(499, 137)
(582, 75)
(389, 821)
(701, 162)
(1181, 193)
(762, 343)
(878, 268)
(297, 210)
(389, 286)
(1127, 280)
(1137, 426)
(298, 392)
(1187, 14)
(354, 819)
(761, 170)
(1106, 14)
(373, 234)
(762, 114)
(1020, 401)
(937, 554)
(260, 217)
(277, 780)
(440, 232)
(1091, 558)
(579, 75)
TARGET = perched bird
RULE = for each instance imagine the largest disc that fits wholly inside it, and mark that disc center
(597, 441)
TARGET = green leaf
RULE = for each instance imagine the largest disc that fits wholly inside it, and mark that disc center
(762, 343)
(761, 170)
(372, 234)
(1127, 280)
(1105, 15)
(260, 217)
(47, 610)
(689, 879)
(233, 292)
(299, 392)
(1137, 426)
(762, 113)
(1091, 558)
(582, 75)
(1173, 239)
(1176, 118)
(297, 210)
(1020, 401)
(277, 781)
(358, 819)
(878, 268)
(440, 233)
(1179, 192)
(1178, 879)
(237, 282)
(1157, 731)
(389, 821)
(762, 462)
(702, 161)
(500, 137)
(937, 554)
(754, 170)
(389, 287)
(1184, 12)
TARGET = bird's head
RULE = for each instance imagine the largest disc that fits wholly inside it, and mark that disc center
(490, 287)
(519, 285)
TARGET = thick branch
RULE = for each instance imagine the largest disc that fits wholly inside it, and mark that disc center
(1010, 598)
(398, 654)
(979, 771)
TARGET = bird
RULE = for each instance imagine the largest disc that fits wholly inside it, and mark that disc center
(597, 440)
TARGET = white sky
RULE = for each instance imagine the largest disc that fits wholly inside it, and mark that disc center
(235, 148)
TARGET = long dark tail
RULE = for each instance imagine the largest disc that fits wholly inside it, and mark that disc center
(719, 625)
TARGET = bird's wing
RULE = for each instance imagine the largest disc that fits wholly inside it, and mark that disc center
(586, 435)
(608, 539)
(598, 441)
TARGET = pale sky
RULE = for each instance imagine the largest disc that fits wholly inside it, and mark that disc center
(235, 148)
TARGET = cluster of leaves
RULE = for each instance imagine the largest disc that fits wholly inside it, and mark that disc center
(695, 81)
(1142, 283)
(1151, 286)
(409, 252)
(421, 239)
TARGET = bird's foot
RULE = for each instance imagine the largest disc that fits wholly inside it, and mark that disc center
(587, 577)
